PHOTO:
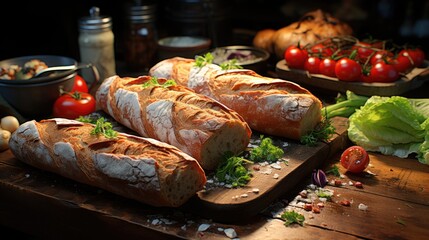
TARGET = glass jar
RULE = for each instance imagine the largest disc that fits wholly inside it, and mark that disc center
(96, 43)
(140, 37)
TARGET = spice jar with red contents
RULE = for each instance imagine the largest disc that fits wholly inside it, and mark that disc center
(141, 36)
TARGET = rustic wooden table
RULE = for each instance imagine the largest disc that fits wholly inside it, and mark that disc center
(45, 206)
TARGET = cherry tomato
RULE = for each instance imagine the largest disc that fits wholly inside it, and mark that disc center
(347, 69)
(415, 54)
(380, 56)
(327, 67)
(355, 159)
(295, 57)
(321, 50)
(79, 85)
(383, 72)
(312, 65)
(364, 51)
(401, 63)
(73, 105)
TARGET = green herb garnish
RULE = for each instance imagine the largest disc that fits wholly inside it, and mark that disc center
(334, 170)
(201, 61)
(86, 119)
(321, 132)
(153, 82)
(291, 217)
(233, 171)
(324, 194)
(266, 151)
(105, 128)
(230, 64)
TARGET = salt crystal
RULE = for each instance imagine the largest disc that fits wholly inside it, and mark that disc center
(362, 207)
(276, 166)
(276, 176)
(255, 190)
(203, 227)
(244, 195)
(230, 232)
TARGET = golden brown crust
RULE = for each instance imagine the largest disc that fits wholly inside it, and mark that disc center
(146, 170)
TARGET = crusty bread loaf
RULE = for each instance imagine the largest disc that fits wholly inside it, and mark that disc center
(143, 169)
(196, 124)
(272, 106)
(314, 26)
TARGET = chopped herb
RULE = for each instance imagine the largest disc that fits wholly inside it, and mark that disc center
(201, 61)
(105, 128)
(86, 119)
(230, 64)
(266, 151)
(321, 132)
(153, 81)
(233, 171)
(335, 171)
(291, 217)
(400, 221)
(324, 194)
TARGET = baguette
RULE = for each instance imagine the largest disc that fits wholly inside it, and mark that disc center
(196, 124)
(272, 106)
(142, 169)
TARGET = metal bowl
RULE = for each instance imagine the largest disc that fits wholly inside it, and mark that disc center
(248, 57)
(34, 98)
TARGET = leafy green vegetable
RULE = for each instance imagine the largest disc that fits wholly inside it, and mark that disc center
(201, 61)
(266, 151)
(230, 64)
(153, 81)
(105, 128)
(344, 107)
(321, 132)
(334, 170)
(233, 171)
(392, 126)
(321, 193)
(291, 217)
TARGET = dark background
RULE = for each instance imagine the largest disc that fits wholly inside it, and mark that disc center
(41, 27)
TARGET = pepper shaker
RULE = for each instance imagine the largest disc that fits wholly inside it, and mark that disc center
(96, 43)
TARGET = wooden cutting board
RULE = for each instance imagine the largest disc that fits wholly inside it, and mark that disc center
(268, 183)
(220, 204)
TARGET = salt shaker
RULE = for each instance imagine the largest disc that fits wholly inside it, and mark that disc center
(96, 43)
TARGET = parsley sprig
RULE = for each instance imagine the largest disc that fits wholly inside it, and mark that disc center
(233, 171)
(201, 61)
(266, 151)
(105, 128)
(321, 132)
(291, 217)
(153, 81)
(230, 64)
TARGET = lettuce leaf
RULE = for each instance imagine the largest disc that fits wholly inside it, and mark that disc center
(392, 126)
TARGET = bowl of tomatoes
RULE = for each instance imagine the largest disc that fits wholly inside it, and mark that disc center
(33, 97)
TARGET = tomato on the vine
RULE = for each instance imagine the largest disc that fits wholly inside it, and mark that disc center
(327, 67)
(380, 55)
(401, 63)
(312, 65)
(364, 51)
(295, 57)
(79, 85)
(347, 69)
(321, 50)
(383, 72)
(355, 159)
(73, 105)
(415, 54)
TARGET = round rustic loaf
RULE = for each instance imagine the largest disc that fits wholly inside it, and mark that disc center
(311, 28)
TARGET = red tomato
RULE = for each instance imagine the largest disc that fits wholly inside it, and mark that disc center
(295, 57)
(380, 56)
(321, 50)
(73, 105)
(347, 69)
(383, 72)
(401, 63)
(364, 51)
(327, 67)
(312, 65)
(415, 54)
(355, 159)
(79, 85)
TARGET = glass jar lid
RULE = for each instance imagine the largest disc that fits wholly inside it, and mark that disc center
(95, 21)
